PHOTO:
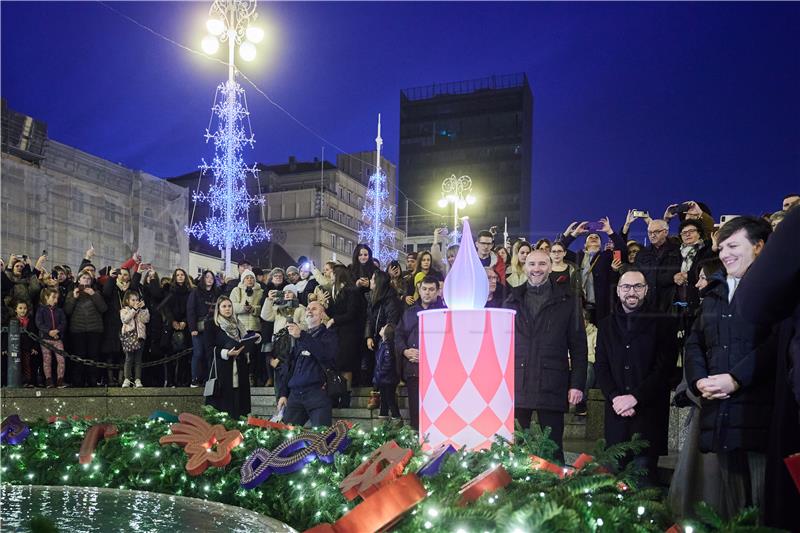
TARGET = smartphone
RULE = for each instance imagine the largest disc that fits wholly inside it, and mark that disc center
(618, 255)
(290, 320)
(679, 209)
(726, 218)
(594, 226)
(640, 214)
(44, 253)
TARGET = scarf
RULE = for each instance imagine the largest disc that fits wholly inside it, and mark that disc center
(689, 252)
(231, 326)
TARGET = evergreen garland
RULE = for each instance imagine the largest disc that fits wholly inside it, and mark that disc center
(534, 501)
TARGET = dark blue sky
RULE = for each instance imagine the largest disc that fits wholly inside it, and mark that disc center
(636, 104)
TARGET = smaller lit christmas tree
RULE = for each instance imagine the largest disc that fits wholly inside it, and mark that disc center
(377, 213)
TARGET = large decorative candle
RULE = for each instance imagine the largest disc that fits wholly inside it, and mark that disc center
(466, 361)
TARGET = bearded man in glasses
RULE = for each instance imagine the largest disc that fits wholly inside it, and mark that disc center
(659, 262)
(636, 351)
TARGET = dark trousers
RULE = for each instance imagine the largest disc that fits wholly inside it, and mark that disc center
(310, 404)
(86, 345)
(412, 384)
(552, 419)
(389, 401)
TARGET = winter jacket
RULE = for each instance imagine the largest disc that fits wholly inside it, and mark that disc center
(496, 263)
(659, 266)
(85, 312)
(542, 372)
(279, 317)
(348, 311)
(24, 288)
(200, 305)
(135, 319)
(635, 355)
(312, 354)
(239, 297)
(406, 335)
(388, 310)
(385, 365)
(723, 342)
(112, 324)
(50, 318)
(604, 279)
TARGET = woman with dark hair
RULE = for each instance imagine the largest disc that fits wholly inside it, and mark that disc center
(395, 272)
(174, 305)
(85, 307)
(543, 244)
(118, 283)
(362, 267)
(384, 307)
(347, 312)
(730, 365)
(426, 267)
(199, 307)
(230, 365)
(153, 295)
(502, 252)
(564, 271)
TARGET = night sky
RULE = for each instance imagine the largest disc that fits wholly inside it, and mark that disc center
(635, 104)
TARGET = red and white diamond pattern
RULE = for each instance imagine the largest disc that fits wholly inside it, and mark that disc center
(466, 376)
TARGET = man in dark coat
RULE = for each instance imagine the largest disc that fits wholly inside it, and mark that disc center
(406, 343)
(597, 278)
(635, 354)
(659, 262)
(770, 294)
(303, 395)
(550, 351)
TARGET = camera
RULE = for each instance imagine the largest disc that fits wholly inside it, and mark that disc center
(282, 301)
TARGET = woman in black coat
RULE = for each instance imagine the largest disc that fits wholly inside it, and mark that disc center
(362, 267)
(177, 326)
(230, 366)
(730, 363)
(153, 296)
(347, 311)
(384, 308)
(118, 283)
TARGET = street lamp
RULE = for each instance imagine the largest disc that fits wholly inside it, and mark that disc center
(228, 225)
(456, 191)
(230, 21)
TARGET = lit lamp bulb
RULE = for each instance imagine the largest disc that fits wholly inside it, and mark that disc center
(470, 199)
(442, 202)
(247, 51)
(462, 203)
(254, 34)
(215, 26)
(210, 44)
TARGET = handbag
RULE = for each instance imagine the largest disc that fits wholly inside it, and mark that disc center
(211, 383)
(335, 384)
(130, 341)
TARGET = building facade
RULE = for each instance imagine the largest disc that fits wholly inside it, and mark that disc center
(480, 128)
(63, 200)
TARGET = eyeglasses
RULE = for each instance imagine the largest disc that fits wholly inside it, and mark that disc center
(485, 243)
(639, 287)
(655, 232)
(687, 232)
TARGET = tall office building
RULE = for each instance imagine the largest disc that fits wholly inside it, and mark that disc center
(481, 128)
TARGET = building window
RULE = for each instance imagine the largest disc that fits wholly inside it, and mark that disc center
(350, 222)
(349, 198)
(332, 213)
(341, 217)
(333, 241)
(341, 243)
(350, 247)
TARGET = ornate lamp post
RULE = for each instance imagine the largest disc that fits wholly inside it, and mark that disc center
(228, 225)
(456, 191)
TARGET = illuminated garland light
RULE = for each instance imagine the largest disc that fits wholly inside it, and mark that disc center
(377, 215)
(228, 224)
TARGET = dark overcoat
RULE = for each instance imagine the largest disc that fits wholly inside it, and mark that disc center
(550, 353)
(635, 355)
(723, 342)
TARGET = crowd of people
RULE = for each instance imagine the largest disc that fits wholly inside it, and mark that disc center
(647, 323)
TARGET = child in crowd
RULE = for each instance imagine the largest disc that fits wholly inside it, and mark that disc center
(51, 322)
(27, 346)
(134, 316)
(385, 377)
